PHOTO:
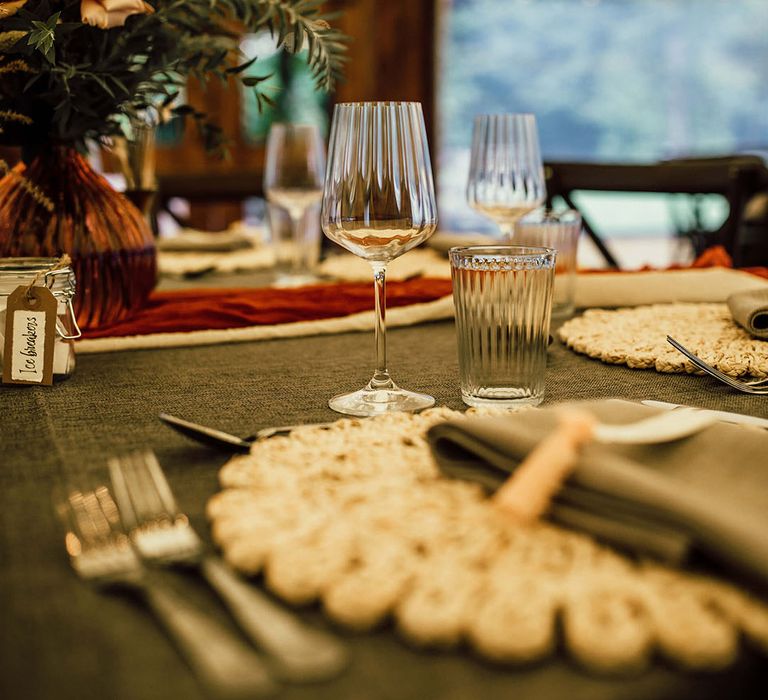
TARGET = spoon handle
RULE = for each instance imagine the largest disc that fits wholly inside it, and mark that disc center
(208, 436)
(227, 441)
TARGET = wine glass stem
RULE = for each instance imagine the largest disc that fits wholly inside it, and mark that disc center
(296, 244)
(507, 230)
(381, 378)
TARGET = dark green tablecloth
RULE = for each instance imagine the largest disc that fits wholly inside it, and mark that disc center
(60, 639)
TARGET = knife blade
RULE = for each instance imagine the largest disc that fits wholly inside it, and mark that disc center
(723, 416)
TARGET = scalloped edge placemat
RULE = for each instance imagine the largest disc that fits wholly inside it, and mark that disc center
(636, 337)
(358, 517)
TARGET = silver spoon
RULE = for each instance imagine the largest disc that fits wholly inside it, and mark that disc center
(222, 440)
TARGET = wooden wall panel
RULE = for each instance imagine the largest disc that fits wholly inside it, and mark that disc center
(391, 57)
(392, 53)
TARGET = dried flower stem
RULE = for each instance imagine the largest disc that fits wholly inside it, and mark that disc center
(17, 66)
(35, 192)
(8, 115)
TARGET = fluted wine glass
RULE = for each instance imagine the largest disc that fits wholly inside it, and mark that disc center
(506, 175)
(293, 180)
(378, 203)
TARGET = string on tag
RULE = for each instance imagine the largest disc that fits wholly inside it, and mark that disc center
(60, 264)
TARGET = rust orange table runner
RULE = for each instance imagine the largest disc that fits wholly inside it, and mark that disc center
(213, 309)
(216, 309)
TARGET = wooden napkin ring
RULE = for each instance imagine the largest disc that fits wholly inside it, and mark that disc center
(527, 494)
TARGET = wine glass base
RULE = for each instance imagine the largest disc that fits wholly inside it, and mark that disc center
(374, 402)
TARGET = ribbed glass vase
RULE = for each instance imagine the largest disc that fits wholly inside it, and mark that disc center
(110, 243)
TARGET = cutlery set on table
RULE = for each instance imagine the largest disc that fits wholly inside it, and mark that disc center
(116, 536)
(114, 543)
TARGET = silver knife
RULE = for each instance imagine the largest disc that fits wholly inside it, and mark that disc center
(724, 416)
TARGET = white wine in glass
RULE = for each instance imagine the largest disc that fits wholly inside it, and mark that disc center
(378, 203)
(506, 174)
(296, 200)
(293, 180)
(379, 240)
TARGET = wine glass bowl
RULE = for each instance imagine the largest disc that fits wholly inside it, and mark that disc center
(506, 174)
(293, 181)
(378, 203)
(381, 240)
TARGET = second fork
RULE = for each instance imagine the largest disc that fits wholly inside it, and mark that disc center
(756, 387)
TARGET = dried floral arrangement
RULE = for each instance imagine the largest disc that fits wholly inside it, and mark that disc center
(73, 70)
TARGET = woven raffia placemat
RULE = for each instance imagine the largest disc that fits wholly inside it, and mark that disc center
(358, 517)
(636, 337)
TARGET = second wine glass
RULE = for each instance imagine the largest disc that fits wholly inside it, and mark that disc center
(293, 180)
(378, 203)
(506, 175)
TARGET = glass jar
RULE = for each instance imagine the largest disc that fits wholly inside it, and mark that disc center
(15, 272)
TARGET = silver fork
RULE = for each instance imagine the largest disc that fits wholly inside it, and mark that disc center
(758, 387)
(163, 535)
(101, 553)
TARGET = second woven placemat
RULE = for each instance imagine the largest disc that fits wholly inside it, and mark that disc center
(636, 337)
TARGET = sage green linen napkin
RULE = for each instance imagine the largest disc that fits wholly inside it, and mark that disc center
(707, 492)
(750, 310)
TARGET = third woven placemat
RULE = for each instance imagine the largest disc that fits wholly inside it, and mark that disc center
(636, 337)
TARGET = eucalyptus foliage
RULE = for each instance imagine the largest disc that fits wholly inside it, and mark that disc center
(65, 81)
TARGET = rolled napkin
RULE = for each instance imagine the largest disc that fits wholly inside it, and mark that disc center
(750, 310)
(707, 492)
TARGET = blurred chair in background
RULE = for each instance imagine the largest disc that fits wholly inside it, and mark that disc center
(738, 178)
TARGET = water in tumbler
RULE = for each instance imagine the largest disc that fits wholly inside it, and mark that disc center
(503, 297)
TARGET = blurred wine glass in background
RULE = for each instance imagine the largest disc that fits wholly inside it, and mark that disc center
(506, 175)
(293, 180)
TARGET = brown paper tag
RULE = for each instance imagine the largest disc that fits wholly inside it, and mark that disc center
(30, 331)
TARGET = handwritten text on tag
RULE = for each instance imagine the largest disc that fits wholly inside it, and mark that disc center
(28, 346)
(30, 330)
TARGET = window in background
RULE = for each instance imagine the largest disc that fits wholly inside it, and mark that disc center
(290, 86)
(608, 80)
(170, 133)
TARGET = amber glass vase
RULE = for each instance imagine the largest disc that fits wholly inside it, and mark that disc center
(110, 243)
